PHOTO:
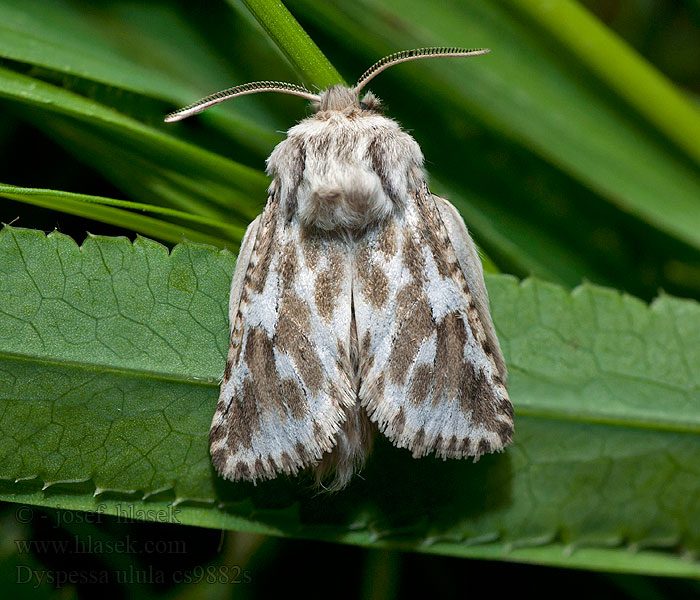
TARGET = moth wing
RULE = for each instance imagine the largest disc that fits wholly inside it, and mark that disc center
(431, 372)
(242, 262)
(473, 272)
(288, 375)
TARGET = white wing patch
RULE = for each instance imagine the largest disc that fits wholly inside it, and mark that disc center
(431, 371)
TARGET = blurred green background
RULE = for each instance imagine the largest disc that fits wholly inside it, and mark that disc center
(571, 150)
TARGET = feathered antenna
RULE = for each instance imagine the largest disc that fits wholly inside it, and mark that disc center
(240, 90)
(406, 55)
(298, 90)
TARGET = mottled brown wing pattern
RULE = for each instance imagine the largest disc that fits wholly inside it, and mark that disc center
(288, 378)
(431, 372)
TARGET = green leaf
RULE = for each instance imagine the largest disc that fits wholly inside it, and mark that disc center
(197, 163)
(148, 50)
(146, 178)
(628, 75)
(60, 37)
(98, 208)
(109, 362)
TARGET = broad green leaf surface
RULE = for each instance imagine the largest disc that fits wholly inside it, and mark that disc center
(109, 359)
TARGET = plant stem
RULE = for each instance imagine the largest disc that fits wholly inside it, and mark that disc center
(301, 51)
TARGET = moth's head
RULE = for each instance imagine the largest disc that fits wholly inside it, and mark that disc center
(334, 98)
(337, 97)
(342, 98)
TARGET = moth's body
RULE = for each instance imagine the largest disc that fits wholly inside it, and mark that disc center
(358, 303)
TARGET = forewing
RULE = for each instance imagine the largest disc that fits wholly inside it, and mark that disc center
(470, 265)
(288, 373)
(431, 373)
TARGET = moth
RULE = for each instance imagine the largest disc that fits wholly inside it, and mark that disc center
(357, 304)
